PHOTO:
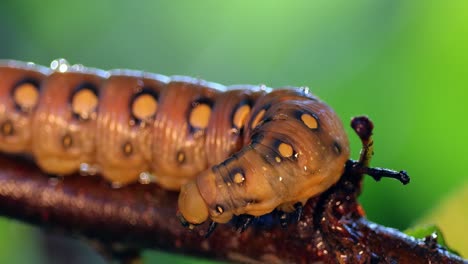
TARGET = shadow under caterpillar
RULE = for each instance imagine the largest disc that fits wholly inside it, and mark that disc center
(229, 150)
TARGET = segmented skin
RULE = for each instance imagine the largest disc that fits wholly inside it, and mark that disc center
(233, 150)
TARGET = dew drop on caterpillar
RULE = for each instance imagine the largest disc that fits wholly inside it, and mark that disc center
(230, 150)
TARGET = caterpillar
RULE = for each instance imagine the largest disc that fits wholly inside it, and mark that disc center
(230, 151)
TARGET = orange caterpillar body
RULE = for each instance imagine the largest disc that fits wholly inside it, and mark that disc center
(230, 150)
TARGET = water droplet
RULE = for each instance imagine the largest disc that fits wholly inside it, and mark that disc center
(88, 170)
(60, 65)
(78, 67)
(146, 178)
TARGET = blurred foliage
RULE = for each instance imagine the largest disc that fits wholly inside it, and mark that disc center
(403, 63)
(452, 214)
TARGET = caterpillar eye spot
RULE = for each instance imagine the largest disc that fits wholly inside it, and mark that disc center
(67, 141)
(144, 105)
(309, 120)
(7, 128)
(127, 149)
(200, 114)
(258, 118)
(180, 157)
(26, 95)
(285, 150)
(239, 178)
(84, 101)
(240, 115)
(219, 209)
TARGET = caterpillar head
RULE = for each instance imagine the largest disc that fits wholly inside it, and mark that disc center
(192, 207)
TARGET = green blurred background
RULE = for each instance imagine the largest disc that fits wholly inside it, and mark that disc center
(403, 63)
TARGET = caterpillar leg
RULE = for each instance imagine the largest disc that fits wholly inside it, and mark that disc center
(243, 222)
(286, 218)
(211, 229)
(299, 210)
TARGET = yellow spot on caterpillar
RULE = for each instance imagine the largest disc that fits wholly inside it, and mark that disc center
(84, 103)
(180, 156)
(285, 150)
(200, 116)
(309, 121)
(258, 118)
(239, 178)
(26, 96)
(219, 209)
(7, 128)
(240, 115)
(67, 141)
(278, 159)
(127, 148)
(144, 107)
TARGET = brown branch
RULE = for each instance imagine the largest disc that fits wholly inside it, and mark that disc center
(144, 216)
